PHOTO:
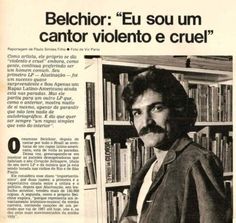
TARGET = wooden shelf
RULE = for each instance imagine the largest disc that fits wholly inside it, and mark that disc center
(127, 123)
(213, 123)
(197, 73)
(89, 130)
(90, 186)
(228, 174)
(117, 184)
(121, 123)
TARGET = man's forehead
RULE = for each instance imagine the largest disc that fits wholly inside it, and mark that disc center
(148, 98)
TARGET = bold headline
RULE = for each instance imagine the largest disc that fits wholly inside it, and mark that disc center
(125, 19)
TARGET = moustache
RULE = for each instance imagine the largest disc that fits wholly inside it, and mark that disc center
(151, 128)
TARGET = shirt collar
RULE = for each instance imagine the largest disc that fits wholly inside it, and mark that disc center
(179, 145)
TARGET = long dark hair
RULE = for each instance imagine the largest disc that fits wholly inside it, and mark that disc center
(183, 108)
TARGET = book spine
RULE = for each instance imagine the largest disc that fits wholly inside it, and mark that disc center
(229, 164)
(120, 103)
(209, 102)
(213, 146)
(214, 104)
(86, 175)
(108, 161)
(89, 104)
(115, 207)
(113, 92)
(89, 163)
(105, 99)
(118, 170)
(224, 151)
(229, 103)
(110, 207)
(109, 101)
(218, 137)
(220, 117)
(129, 157)
(90, 139)
(113, 163)
(122, 164)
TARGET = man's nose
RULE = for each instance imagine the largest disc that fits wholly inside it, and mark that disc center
(148, 119)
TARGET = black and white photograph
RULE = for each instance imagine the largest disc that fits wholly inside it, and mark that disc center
(117, 111)
(165, 134)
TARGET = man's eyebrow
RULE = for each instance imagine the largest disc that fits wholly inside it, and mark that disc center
(149, 106)
(156, 103)
(135, 109)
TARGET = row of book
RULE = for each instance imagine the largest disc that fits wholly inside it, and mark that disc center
(121, 162)
(90, 105)
(116, 202)
(114, 106)
(214, 103)
(89, 160)
(221, 145)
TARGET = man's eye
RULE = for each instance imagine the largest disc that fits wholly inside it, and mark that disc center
(157, 108)
(136, 113)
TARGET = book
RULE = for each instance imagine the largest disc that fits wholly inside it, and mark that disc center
(114, 162)
(118, 166)
(229, 158)
(110, 208)
(108, 159)
(120, 115)
(109, 101)
(104, 99)
(116, 202)
(90, 104)
(124, 165)
(86, 174)
(214, 103)
(218, 138)
(229, 102)
(89, 159)
(114, 104)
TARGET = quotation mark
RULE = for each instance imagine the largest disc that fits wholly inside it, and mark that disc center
(119, 13)
(210, 32)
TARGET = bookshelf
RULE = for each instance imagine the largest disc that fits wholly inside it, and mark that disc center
(117, 128)
(92, 188)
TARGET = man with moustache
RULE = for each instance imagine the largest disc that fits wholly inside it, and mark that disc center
(183, 182)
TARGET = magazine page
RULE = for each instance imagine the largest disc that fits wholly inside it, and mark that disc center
(96, 97)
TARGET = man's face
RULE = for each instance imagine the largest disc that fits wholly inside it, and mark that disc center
(151, 119)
